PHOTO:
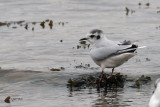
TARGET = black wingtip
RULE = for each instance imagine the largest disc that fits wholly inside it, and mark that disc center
(134, 46)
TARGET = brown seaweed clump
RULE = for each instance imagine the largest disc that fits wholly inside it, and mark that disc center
(3, 23)
(7, 100)
(107, 82)
(57, 69)
(139, 4)
(127, 11)
(26, 27)
(148, 4)
(50, 24)
(141, 81)
(42, 24)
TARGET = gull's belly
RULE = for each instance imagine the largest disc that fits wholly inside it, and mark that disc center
(155, 99)
(154, 102)
(114, 61)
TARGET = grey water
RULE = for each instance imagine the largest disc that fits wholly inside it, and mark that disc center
(26, 56)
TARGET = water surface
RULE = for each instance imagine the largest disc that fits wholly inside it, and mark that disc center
(31, 54)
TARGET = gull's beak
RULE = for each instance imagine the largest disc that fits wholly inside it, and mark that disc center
(83, 39)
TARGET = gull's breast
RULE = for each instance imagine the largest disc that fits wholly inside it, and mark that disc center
(154, 102)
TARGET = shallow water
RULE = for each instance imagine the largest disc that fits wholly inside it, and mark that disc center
(31, 54)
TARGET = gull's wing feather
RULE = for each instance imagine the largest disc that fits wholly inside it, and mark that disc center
(126, 50)
(101, 53)
(104, 52)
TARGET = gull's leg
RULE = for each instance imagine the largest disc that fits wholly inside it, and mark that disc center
(112, 72)
(102, 74)
(100, 78)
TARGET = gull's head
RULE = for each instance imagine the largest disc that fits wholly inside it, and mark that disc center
(93, 36)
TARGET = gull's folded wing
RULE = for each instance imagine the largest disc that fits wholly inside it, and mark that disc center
(104, 52)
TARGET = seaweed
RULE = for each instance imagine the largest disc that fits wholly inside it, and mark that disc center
(57, 69)
(50, 24)
(139, 4)
(3, 23)
(61, 40)
(148, 4)
(127, 11)
(23, 23)
(26, 27)
(141, 81)
(32, 28)
(107, 82)
(42, 24)
(7, 100)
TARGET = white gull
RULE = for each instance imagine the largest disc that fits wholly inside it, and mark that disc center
(155, 99)
(107, 53)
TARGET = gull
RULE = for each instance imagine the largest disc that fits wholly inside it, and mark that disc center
(155, 99)
(107, 53)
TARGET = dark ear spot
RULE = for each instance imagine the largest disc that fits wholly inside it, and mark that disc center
(98, 37)
(92, 36)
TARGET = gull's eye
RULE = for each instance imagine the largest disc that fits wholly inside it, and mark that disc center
(92, 36)
(98, 37)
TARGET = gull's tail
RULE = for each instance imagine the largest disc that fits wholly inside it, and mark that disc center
(142, 47)
(136, 46)
(131, 49)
